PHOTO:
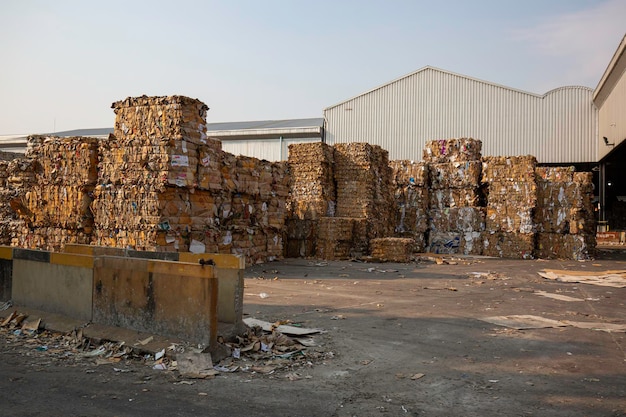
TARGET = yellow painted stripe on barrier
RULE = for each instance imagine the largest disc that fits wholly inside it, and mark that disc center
(6, 252)
(180, 268)
(221, 260)
(78, 249)
(71, 259)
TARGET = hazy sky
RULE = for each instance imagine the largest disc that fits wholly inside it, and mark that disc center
(64, 62)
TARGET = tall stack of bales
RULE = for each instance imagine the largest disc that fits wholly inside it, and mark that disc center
(564, 216)
(164, 186)
(58, 202)
(312, 195)
(411, 197)
(148, 171)
(511, 202)
(456, 218)
(364, 201)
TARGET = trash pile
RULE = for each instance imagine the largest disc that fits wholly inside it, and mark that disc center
(411, 197)
(456, 220)
(564, 215)
(511, 204)
(262, 350)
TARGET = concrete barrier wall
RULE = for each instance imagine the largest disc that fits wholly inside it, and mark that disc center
(229, 271)
(168, 298)
(163, 297)
(6, 273)
(53, 282)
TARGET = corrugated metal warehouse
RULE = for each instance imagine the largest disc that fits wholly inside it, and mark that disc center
(431, 103)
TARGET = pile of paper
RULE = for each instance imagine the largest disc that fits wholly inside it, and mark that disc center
(456, 215)
(411, 198)
(392, 249)
(511, 204)
(564, 217)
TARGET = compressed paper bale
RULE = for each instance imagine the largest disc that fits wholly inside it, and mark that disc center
(509, 245)
(61, 206)
(156, 162)
(508, 169)
(519, 193)
(312, 191)
(392, 249)
(452, 150)
(176, 117)
(406, 172)
(555, 174)
(454, 197)
(455, 175)
(461, 219)
(510, 219)
(467, 243)
(565, 246)
(70, 160)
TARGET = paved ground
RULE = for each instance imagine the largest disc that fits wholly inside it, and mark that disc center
(401, 339)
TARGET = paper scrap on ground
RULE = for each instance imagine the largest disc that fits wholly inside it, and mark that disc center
(522, 322)
(604, 278)
(560, 297)
(285, 329)
(195, 365)
(605, 327)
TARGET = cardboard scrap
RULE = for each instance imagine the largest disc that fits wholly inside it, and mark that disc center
(615, 279)
(195, 365)
(524, 322)
(283, 328)
(560, 297)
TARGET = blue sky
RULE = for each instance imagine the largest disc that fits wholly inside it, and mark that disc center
(64, 62)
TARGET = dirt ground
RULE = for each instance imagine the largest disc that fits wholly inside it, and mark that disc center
(399, 339)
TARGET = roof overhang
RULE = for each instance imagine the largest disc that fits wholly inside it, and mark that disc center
(611, 75)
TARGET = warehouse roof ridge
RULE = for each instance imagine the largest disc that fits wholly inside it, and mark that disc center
(431, 68)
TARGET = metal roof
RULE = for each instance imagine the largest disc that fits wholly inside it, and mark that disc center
(289, 128)
(431, 68)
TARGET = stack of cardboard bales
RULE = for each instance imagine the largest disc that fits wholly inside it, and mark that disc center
(564, 216)
(148, 172)
(364, 195)
(511, 202)
(58, 202)
(164, 186)
(456, 218)
(312, 195)
(411, 198)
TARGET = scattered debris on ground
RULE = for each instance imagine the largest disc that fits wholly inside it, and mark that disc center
(615, 279)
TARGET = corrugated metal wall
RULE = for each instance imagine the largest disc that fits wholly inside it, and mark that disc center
(401, 116)
(612, 119)
(269, 149)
